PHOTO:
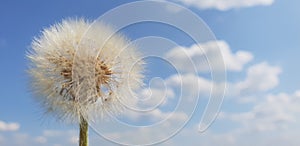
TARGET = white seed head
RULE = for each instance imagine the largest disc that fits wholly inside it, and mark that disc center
(79, 68)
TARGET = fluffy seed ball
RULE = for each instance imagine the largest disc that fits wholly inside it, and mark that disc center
(83, 69)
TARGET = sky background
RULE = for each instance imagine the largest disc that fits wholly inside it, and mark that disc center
(259, 40)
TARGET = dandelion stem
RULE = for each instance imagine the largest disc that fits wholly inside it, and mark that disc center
(83, 135)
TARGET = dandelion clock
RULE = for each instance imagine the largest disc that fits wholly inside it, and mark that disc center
(81, 72)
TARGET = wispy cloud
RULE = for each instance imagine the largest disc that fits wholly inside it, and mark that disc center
(40, 139)
(47, 138)
(224, 5)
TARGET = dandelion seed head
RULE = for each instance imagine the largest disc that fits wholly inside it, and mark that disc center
(79, 68)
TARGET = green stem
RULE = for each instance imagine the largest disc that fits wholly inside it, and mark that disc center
(83, 135)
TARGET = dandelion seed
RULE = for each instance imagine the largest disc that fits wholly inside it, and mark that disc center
(79, 72)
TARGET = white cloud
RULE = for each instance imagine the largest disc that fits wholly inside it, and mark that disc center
(40, 139)
(17, 139)
(270, 114)
(260, 77)
(190, 136)
(146, 135)
(154, 96)
(185, 59)
(9, 126)
(273, 112)
(225, 4)
(52, 133)
(74, 140)
(190, 85)
(255, 125)
(274, 120)
(58, 133)
(154, 116)
(173, 9)
(47, 138)
(21, 139)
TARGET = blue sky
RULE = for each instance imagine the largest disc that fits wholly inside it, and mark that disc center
(261, 103)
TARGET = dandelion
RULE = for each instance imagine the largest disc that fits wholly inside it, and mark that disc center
(81, 71)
